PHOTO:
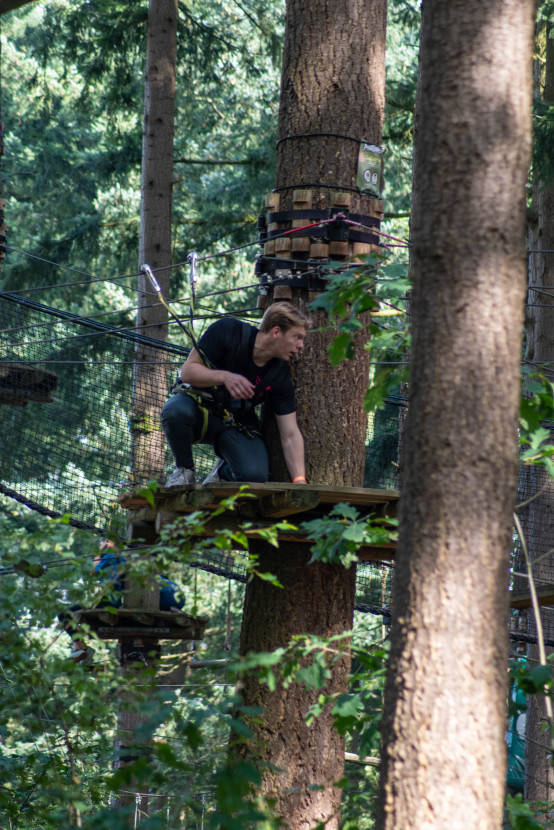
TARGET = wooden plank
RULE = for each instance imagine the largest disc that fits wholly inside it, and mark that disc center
(282, 292)
(300, 244)
(328, 494)
(283, 246)
(340, 199)
(9, 5)
(133, 622)
(20, 397)
(272, 201)
(302, 198)
(319, 250)
(195, 498)
(337, 248)
(278, 505)
(522, 599)
(360, 249)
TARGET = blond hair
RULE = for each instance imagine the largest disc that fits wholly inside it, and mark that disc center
(285, 315)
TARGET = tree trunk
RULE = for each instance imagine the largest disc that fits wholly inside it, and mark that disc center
(149, 382)
(333, 82)
(537, 487)
(150, 386)
(444, 754)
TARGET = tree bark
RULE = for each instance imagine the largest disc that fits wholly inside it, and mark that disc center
(149, 379)
(333, 82)
(150, 385)
(444, 754)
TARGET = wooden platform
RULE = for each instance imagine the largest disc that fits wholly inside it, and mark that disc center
(118, 623)
(521, 600)
(20, 383)
(260, 506)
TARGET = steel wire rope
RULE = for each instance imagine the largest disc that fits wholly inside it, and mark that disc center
(91, 277)
(124, 310)
(124, 329)
(225, 252)
(183, 264)
(84, 362)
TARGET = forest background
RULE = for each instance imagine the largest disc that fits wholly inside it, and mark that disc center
(72, 106)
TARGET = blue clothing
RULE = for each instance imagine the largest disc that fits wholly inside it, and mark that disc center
(111, 564)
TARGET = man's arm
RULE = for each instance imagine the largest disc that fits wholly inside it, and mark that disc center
(292, 443)
(197, 374)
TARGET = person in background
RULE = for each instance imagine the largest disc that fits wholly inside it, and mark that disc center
(108, 565)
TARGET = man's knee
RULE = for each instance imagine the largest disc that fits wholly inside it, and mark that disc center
(247, 471)
(246, 457)
(178, 410)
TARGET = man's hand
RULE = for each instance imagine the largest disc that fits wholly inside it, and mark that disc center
(195, 373)
(238, 386)
(292, 443)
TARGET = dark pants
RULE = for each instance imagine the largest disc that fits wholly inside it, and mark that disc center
(245, 457)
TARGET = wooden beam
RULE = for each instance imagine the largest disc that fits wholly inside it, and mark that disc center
(522, 599)
(328, 494)
(9, 5)
(287, 503)
(262, 502)
(134, 622)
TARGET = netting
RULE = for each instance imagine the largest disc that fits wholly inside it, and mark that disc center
(536, 513)
(80, 403)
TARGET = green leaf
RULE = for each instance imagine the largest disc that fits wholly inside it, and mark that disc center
(340, 349)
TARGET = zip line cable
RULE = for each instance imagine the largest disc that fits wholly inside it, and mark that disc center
(91, 277)
(116, 330)
(225, 252)
(131, 308)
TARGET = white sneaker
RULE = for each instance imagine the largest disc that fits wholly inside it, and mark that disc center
(214, 476)
(180, 477)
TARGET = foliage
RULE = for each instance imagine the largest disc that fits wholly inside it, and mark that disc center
(338, 537)
(58, 717)
(375, 283)
(72, 102)
(523, 816)
(536, 410)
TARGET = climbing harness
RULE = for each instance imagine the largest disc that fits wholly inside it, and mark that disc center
(211, 394)
(209, 399)
(218, 401)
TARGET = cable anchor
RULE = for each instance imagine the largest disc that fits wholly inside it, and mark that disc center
(192, 260)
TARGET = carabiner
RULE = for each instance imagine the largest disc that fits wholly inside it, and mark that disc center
(192, 260)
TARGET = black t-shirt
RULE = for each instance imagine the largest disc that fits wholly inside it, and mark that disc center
(225, 346)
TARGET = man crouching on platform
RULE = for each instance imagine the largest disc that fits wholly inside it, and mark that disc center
(235, 368)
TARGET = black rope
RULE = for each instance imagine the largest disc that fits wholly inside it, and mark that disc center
(373, 609)
(121, 331)
(91, 277)
(100, 328)
(318, 184)
(526, 638)
(324, 135)
(45, 511)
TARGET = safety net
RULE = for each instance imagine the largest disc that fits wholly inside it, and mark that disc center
(536, 533)
(79, 425)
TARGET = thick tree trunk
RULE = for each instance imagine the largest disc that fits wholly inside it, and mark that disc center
(444, 755)
(333, 82)
(538, 488)
(149, 381)
(318, 600)
(150, 387)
